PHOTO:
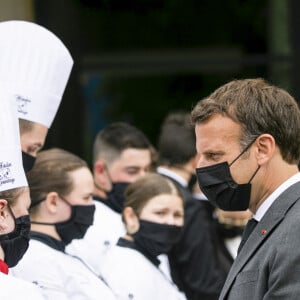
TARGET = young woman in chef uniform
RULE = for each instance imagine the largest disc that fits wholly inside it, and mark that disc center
(153, 216)
(62, 209)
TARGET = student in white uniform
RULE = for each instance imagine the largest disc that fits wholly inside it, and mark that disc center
(62, 209)
(153, 216)
(35, 66)
(122, 154)
(14, 203)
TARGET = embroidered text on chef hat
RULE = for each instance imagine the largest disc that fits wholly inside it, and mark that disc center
(11, 167)
(35, 65)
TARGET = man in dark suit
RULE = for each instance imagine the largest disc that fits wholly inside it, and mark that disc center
(248, 142)
(199, 262)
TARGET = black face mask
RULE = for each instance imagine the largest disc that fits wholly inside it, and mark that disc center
(116, 197)
(222, 191)
(82, 217)
(28, 161)
(15, 243)
(156, 238)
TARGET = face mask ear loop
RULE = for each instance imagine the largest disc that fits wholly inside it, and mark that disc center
(254, 174)
(69, 204)
(65, 200)
(33, 204)
(12, 214)
(46, 223)
(247, 147)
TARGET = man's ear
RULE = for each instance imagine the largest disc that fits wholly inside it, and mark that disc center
(131, 220)
(101, 175)
(3, 215)
(99, 167)
(266, 148)
(51, 202)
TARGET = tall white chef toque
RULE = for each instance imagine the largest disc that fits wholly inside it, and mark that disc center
(35, 66)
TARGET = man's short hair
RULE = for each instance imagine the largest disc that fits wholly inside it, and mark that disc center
(259, 108)
(112, 140)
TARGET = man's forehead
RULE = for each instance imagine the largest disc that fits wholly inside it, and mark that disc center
(135, 154)
(211, 138)
(133, 157)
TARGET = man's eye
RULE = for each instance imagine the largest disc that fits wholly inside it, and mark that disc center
(160, 213)
(214, 156)
(178, 215)
(132, 172)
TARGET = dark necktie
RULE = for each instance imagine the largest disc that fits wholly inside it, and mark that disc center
(247, 231)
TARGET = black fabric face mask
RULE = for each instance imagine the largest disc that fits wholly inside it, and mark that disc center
(28, 161)
(15, 243)
(156, 238)
(222, 191)
(82, 217)
(116, 197)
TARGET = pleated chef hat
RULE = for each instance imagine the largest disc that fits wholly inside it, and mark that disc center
(11, 166)
(35, 66)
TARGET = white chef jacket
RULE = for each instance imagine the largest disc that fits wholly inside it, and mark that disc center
(12, 288)
(60, 276)
(133, 276)
(108, 227)
(99, 238)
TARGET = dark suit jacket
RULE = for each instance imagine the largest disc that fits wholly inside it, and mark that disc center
(199, 262)
(268, 266)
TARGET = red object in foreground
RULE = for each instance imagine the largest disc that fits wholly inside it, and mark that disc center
(3, 267)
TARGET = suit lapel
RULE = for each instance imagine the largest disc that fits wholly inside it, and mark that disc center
(261, 232)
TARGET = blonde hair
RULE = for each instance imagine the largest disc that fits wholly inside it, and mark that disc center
(147, 187)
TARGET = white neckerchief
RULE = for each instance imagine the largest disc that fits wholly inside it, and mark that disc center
(269, 201)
